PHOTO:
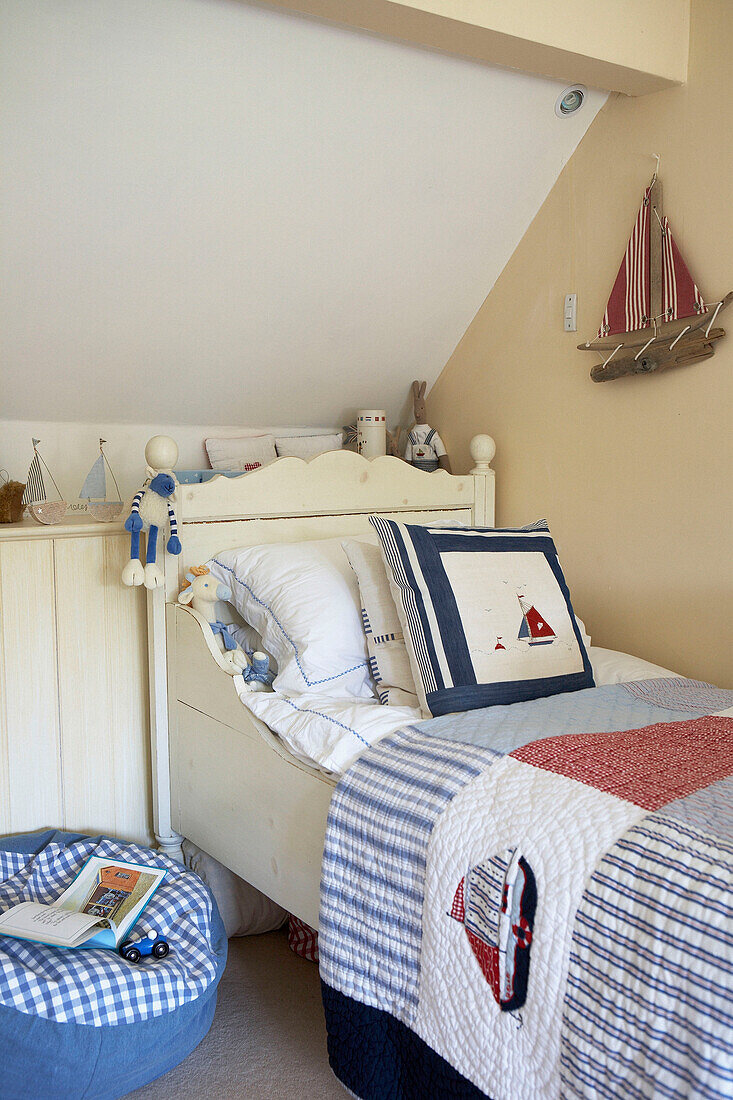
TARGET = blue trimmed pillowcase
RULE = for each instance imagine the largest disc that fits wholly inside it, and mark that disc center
(485, 612)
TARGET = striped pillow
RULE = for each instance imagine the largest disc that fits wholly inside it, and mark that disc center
(389, 663)
(485, 612)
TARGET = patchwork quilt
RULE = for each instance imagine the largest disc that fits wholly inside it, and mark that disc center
(535, 901)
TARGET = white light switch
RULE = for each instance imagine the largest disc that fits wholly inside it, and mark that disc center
(570, 314)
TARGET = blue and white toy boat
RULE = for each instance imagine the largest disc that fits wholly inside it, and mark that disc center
(94, 490)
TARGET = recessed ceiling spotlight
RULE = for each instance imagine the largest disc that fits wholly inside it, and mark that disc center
(570, 100)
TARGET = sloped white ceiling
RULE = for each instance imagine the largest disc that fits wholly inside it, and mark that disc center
(218, 213)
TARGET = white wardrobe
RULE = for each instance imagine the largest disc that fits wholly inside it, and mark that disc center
(74, 741)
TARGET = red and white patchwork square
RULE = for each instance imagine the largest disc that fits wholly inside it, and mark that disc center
(648, 767)
(302, 939)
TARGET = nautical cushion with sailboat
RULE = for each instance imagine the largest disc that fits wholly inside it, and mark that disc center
(486, 614)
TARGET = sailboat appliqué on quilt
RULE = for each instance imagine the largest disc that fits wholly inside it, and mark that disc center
(496, 901)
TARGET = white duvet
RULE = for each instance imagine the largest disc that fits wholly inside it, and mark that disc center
(330, 733)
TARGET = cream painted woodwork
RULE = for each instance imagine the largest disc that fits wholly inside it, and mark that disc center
(30, 766)
(643, 47)
(74, 743)
(221, 778)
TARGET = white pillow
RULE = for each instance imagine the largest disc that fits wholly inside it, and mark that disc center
(583, 632)
(303, 600)
(610, 667)
(388, 658)
(307, 446)
(241, 453)
(319, 729)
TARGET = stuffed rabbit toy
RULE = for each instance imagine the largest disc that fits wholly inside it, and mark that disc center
(424, 446)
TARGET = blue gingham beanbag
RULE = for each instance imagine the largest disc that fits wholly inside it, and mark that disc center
(85, 1022)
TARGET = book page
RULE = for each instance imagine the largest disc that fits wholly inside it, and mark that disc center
(45, 923)
(113, 889)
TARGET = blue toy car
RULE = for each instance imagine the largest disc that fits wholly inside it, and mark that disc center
(133, 950)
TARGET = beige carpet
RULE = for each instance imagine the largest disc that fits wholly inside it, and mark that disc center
(268, 1039)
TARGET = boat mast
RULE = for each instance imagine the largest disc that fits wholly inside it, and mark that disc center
(106, 460)
(655, 252)
(53, 479)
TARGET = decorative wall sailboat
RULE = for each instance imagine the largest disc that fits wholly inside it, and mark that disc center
(656, 316)
(94, 489)
(42, 510)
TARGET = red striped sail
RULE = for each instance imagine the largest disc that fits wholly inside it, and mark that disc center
(680, 296)
(629, 305)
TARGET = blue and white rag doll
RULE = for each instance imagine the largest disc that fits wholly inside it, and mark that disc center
(152, 508)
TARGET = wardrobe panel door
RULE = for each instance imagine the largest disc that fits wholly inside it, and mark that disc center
(127, 679)
(103, 690)
(30, 764)
(87, 750)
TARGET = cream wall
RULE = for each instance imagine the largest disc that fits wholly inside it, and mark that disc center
(216, 213)
(69, 449)
(634, 475)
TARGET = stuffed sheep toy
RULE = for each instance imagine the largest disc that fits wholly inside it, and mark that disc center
(152, 508)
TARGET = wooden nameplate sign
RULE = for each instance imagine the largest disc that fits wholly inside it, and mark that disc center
(655, 316)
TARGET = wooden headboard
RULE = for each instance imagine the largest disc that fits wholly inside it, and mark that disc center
(289, 501)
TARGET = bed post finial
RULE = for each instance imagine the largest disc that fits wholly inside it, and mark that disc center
(161, 452)
(483, 449)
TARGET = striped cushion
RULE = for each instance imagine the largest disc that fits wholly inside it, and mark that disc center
(389, 663)
(485, 612)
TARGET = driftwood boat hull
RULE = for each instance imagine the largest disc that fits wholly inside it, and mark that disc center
(105, 510)
(692, 348)
(48, 511)
(667, 332)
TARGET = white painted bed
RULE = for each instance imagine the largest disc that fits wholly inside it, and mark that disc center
(220, 777)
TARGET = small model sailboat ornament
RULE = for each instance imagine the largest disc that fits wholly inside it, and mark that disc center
(656, 316)
(94, 489)
(42, 509)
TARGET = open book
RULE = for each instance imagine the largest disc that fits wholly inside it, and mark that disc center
(98, 909)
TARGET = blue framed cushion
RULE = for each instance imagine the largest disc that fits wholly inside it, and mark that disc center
(485, 612)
